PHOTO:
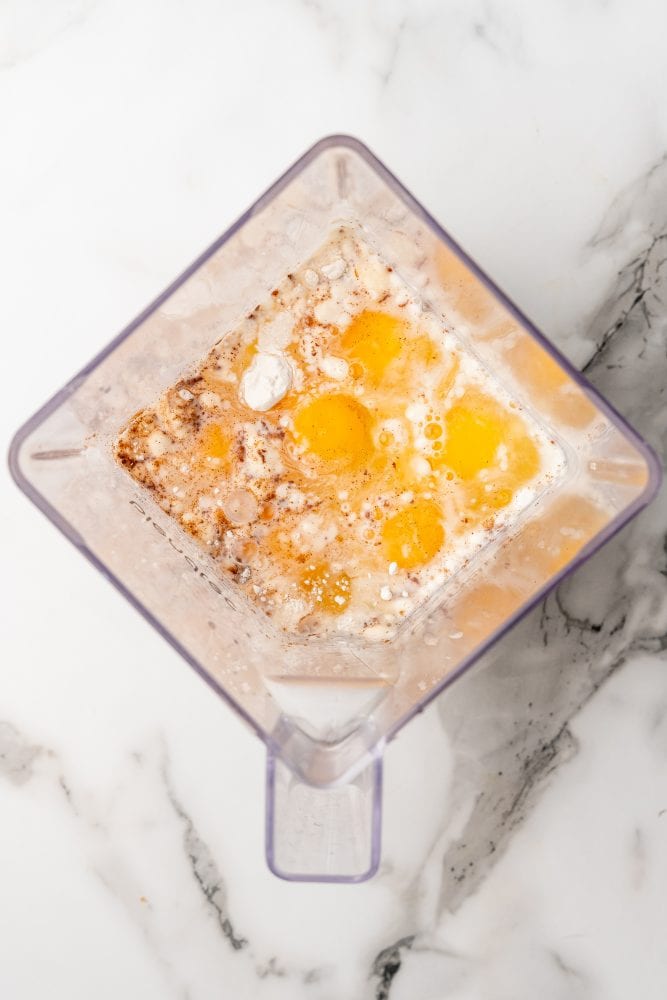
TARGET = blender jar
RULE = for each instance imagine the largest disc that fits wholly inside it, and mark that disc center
(325, 709)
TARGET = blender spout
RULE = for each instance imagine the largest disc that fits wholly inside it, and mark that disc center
(326, 833)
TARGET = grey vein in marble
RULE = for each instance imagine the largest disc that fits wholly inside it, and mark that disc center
(496, 29)
(387, 964)
(204, 868)
(17, 754)
(577, 979)
(396, 39)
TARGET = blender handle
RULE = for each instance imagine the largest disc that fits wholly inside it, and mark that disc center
(323, 833)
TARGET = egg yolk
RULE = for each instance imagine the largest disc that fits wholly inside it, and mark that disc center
(497, 497)
(414, 535)
(472, 436)
(474, 429)
(424, 351)
(328, 591)
(373, 340)
(336, 429)
(213, 443)
(523, 458)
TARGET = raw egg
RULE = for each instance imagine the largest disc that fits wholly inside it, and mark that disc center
(335, 429)
(414, 535)
(373, 340)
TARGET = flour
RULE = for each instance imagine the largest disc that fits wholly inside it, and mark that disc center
(266, 381)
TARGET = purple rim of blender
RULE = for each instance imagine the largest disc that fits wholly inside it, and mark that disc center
(655, 470)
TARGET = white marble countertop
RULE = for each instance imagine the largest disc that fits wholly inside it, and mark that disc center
(534, 862)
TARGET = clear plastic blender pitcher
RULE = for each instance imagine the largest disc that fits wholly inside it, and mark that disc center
(326, 708)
